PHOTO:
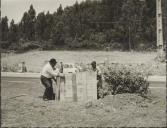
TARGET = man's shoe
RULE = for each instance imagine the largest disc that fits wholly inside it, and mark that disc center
(45, 98)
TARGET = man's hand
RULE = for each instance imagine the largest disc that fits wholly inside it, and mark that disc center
(54, 79)
(61, 74)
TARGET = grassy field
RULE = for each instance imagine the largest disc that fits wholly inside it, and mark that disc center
(35, 59)
(22, 106)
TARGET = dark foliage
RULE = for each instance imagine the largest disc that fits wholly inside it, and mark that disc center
(123, 80)
(101, 24)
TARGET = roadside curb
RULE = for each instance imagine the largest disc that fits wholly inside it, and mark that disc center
(157, 79)
(21, 75)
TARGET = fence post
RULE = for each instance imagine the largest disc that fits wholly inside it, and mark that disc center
(74, 87)
(62, 88)
(58, 88)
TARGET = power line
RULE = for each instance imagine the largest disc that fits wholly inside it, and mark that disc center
(115, 22)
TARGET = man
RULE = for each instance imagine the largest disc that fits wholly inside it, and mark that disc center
(47, 75)
(24, 69)
(99, 77)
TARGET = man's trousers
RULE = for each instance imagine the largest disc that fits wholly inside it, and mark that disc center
(48, 94)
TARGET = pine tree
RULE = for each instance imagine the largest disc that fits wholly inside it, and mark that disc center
(13, 32)
(49, 26)
(60, 10)
(4, 28)
(32, 15)
(41, 26)
(4, 32)
(24, 26)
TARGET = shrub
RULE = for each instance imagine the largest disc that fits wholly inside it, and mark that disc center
(88, 44)
(74, 44)
(161, 57)
(23, 47)
(47, 45)
(116, 46)
(5, 44)
(123, 80)
(9, 68)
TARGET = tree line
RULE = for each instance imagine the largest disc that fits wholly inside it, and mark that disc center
(97, 24)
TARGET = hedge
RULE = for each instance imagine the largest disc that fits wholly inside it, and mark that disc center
(123, 80)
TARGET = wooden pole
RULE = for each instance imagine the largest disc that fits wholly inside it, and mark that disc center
(62, 88)
(58, 89)
(165, 22)
(129, 39)
(159, 28)
(74, 87)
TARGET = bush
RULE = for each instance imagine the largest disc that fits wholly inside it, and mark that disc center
(47, 45)
(27, 46)
(116, 46)
(9, 68)
(88, 44)
(5, 44)
(123, 80)
(73, 44)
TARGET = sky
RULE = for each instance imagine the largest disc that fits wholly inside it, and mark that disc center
(14, 9)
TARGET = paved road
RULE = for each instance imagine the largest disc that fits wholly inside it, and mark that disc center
(154, 83)
(6, 82)
(13, 86)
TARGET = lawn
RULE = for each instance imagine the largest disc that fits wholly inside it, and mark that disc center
(35, 59)
(22, 106)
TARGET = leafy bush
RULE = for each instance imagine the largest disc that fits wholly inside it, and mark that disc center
(5, 44)
(47, 45)
(100, 38)
(161, 57)
(123, 80)
(9, 68)
(23, 47)
(116, 46)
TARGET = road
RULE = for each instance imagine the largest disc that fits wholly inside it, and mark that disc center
(32, 86)
(13, 86)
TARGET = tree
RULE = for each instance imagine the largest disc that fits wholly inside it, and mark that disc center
(148, 29)
(32, 15)
(4, 32)
(4, 28)
(49, 26)
(40, 26)
(129, 22)
(13, 32)
(44, 26)
(60, 10)
(58, 34)
(126, 24)
(24, 26)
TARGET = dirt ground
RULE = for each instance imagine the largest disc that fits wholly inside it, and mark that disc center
(22, 106)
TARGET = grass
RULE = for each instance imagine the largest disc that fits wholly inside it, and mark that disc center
(22, 106)
(27, 109)
(35, 59)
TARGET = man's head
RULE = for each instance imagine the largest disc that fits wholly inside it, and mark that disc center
(93, 64)
(53, 62)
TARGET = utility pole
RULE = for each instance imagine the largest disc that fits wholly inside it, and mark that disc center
(165, 22)
(159, 28)
(129, 39)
